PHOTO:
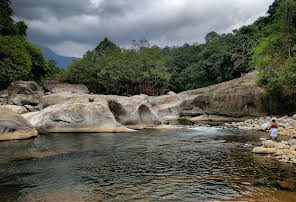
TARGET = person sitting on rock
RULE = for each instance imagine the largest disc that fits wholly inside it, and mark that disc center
(274, 126)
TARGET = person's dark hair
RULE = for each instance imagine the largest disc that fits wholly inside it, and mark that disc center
(273, 120)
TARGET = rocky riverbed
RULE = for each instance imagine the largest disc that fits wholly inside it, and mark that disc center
(287, 125)
(284, 151)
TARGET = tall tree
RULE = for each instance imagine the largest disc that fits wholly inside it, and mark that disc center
(211, 36)
(288, 25)
(7, 26)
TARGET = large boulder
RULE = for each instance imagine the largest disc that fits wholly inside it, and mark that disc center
(59, 98)
(281, 145)
(263, 150)
(24, 93)
(14, 126)
(167, 105)
(57, 87)
(269, 144)
(15, 109)
(132, 111)
(238, 97)
(76, 115)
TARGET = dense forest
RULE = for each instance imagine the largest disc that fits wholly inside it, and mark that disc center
(268, 45)
(19, 59)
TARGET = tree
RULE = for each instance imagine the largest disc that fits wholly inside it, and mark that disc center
(109, 69)
(7, 26)
(211, 36)
(19, 59)
(288, 25)
(15, 60)
(21, 28)
(244, 39)
(275, 50)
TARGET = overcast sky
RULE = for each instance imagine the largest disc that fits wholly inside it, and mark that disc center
(71, 27)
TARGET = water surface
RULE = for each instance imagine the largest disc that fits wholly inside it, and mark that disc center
(193, 164)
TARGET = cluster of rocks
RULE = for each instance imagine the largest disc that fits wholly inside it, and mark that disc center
(284, 151)
(287, 125)
(69, 108)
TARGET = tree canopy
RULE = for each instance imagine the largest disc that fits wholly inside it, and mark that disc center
(19, 59)
(111, 70)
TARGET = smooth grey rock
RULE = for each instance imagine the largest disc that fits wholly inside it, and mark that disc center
(14, 126)
(76, 115)
(57, 87)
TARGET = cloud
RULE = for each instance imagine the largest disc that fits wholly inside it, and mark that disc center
(70, 27)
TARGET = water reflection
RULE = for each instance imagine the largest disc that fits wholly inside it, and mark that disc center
(195, 164)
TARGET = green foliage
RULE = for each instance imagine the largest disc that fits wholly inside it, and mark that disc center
(211, 37)
(21, 28)
(288, 76)
(111, 70)
(274, 56)
(7, 26)
(179, 62)
(19, 59)
(15, 61)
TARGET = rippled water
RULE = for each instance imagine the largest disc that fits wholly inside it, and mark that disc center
(194, 164)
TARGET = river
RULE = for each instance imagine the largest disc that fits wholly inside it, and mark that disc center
(191, 164)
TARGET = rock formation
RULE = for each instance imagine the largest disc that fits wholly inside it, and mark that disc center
(76, 115)
(15, 109)
(69, 108)
(93, 113)
(56, 87)
(24, 93)
(235, 98)
(14, 126)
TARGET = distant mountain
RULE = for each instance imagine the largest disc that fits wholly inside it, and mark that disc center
(61, 61)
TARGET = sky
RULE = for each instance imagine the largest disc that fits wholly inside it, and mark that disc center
(71, 27)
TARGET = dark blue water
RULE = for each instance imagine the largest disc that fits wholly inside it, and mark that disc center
(197, 164)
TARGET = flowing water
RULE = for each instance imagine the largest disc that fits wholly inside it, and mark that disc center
(192, 164)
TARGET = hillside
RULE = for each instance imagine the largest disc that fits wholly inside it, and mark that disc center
(61, 61)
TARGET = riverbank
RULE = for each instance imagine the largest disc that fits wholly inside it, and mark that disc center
(287, 125)
(284, 151)
(58, 107)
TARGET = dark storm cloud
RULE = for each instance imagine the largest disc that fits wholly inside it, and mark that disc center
(70, 27)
